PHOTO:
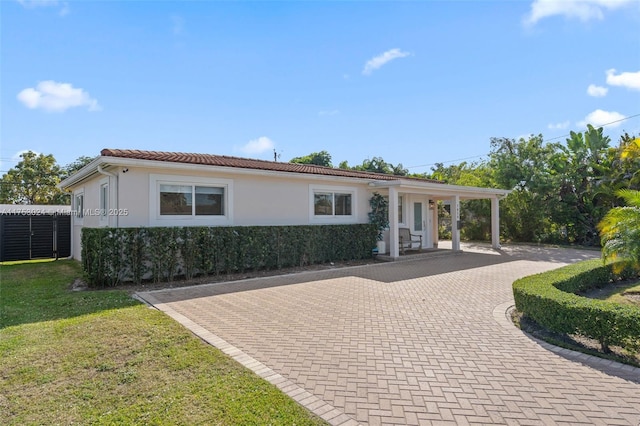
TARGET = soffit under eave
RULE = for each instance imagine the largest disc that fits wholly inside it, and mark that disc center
(444, 191)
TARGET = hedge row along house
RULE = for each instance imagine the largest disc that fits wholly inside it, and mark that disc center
(131, 188)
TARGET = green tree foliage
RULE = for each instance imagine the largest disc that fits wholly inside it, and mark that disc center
(620, 230)
(33, 181)
(35, 178)
(378, 165)
(322, 158)
(584, 196)
(526, 167)
(379, 214)
(73, 167)
(560, 191)
(375, 164)
(626, 166)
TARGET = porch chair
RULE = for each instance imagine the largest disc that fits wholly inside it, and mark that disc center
(407, 239)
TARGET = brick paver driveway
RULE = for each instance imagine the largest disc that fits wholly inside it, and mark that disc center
(414, 342)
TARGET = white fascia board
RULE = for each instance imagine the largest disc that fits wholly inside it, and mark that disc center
(467, 192)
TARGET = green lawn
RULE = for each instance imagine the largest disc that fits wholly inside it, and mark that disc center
(99, 357)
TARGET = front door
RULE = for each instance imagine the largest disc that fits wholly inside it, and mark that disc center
(418, 221)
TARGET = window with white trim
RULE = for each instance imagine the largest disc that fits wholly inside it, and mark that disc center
(176, 200)
(400, 209)
(191, 200)
(104, 202)
(78, 205)
(332, 204)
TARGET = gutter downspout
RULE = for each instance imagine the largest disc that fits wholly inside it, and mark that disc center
(115, 176)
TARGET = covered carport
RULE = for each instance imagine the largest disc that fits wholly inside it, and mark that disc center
(411, 204)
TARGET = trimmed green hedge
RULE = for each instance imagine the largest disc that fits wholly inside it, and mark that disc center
(550, 299)
(112, 256)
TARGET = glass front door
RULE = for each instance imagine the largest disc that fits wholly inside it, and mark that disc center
(417, 217)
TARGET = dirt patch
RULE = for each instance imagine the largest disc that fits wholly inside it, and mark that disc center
(633, 296)
(79, 285)
(616, 288)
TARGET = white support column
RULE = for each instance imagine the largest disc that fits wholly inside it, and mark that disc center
(455, 218)
(495, 223)
(428, 227)
(394, 250)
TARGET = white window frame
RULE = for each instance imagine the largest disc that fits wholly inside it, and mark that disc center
(78, 216)
(104, 202)
(401, 201)
(156, 219)
(337, 219)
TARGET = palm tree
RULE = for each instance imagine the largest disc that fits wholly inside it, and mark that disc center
(620, 230)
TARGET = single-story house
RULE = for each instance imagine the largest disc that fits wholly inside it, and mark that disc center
(133, 188)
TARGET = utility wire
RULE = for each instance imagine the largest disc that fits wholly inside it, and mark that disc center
(546, 140)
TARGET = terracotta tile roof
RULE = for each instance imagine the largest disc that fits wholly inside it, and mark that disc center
(247, 163)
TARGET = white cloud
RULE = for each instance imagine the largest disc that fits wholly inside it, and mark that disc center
(630, 80)
(380, 60)
(32, 4)
(597, 91)
(328, 112)
(257, 146)
(65, 9)
(599, 118)
(178, 24)
(583, 10)
(56, 97)
(559, 126)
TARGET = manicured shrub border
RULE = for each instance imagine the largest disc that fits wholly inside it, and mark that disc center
(550, 299)
(113, 256)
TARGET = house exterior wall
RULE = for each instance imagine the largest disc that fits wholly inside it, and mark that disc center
(85, 215)
(253, 199)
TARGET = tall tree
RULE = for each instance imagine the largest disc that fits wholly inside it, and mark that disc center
(33, 181)
(582, 180)
(525, 166)
(322, 158)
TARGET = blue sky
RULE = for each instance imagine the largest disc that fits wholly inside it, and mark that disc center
(413, 82)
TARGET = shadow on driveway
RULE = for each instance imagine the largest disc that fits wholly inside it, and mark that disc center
(476, 255)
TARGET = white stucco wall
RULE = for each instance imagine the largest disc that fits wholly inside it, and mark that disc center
(255, 200)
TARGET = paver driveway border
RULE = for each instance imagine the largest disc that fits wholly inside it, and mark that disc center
(440, 402)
